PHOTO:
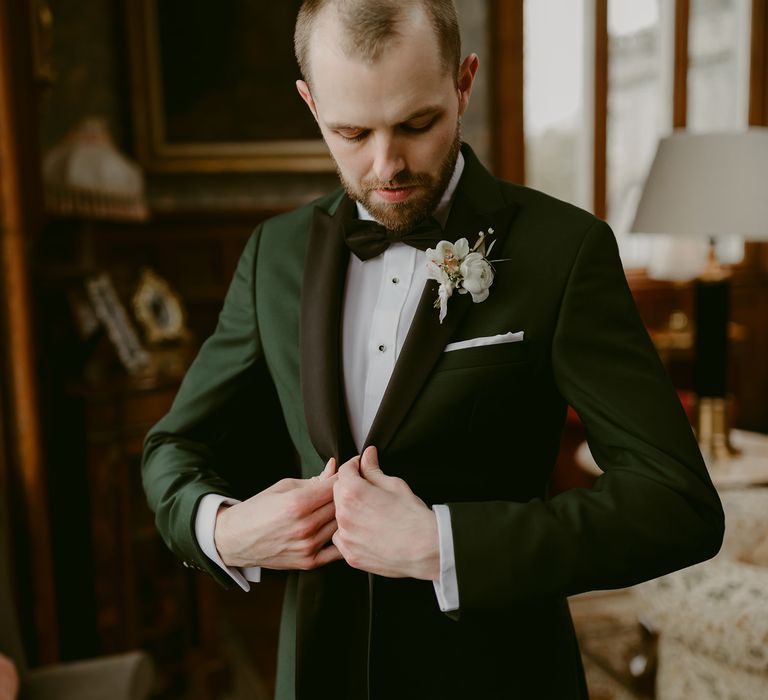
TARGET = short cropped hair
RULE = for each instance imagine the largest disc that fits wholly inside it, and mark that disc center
(368, 26)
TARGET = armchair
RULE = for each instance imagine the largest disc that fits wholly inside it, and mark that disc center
(121, 677)
(712, 618)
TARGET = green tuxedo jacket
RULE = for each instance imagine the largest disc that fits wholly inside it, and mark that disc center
(477, 429)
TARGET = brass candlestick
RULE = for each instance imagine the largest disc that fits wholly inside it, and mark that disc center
(713, 430)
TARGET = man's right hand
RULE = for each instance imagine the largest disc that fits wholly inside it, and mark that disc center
(287, 526)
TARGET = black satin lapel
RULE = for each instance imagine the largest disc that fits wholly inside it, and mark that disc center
(325, 270)
(427, 337)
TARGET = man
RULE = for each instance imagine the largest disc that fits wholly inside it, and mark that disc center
(428, 560)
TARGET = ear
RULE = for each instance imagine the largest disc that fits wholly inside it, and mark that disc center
(467, 72)
(306, 95)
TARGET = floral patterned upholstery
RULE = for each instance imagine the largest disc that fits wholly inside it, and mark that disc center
(712, 618)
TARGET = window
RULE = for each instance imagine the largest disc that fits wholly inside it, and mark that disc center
(639, 111)
(603, 80)
(718, 78)
(557, 133)
(718, 64)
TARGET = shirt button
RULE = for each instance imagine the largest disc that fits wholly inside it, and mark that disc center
(395, 280)
(382, 348)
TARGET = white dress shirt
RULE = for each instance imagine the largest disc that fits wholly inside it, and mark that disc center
(380, 300)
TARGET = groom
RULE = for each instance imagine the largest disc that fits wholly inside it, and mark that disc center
(428, 559)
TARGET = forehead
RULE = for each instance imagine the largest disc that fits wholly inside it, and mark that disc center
(408, 75)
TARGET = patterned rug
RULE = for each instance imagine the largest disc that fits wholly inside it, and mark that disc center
(610, 638)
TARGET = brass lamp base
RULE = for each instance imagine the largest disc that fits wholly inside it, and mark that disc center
(713, 430)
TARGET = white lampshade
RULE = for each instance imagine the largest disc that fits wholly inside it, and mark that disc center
(707, 185)
(677, 258)
(87, 176)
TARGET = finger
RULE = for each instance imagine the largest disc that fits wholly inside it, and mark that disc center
(330, 468)
(369, 466)
(370, 457)
(325, 533)
(324, 514)
(353, 462)
(317, 492)
(350, 468)
(327, 555)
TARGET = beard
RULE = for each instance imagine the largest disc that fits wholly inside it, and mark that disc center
(403, 216)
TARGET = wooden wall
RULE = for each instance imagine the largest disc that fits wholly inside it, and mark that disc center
(20, 209)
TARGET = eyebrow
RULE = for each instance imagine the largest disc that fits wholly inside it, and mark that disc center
(424, 111)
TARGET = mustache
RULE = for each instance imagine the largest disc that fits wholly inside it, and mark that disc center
(402, 179)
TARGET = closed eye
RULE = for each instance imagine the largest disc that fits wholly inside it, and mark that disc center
(352, 135)
(419, 126)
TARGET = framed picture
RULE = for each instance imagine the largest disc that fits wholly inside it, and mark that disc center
(158, 309)
(110, 311)
(213, 87)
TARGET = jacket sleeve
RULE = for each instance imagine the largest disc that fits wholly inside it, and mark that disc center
(653, 510)
(182, 461)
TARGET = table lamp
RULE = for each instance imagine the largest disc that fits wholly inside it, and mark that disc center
(703, 186)
(87, 176)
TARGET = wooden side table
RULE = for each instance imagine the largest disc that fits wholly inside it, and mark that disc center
(144, 598)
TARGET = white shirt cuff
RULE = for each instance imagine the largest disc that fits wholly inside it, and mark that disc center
(205, 524)
(447, 586)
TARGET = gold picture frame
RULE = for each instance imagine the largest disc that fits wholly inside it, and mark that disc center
(213, 88)
(159, 310)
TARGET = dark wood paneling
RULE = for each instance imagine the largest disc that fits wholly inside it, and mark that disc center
(600, 179)
(753, 308)
(196, 253)
(506, 29)
(680, 96)
(19, 205)
(748, 365)
(748, 370)
(126, 590)
(758, 66)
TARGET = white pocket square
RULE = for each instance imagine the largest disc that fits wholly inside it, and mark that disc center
(486, 340)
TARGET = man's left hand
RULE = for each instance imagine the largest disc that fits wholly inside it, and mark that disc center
(383, 527)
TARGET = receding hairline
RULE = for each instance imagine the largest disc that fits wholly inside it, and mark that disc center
(369, 27)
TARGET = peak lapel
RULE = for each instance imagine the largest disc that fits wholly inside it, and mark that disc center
(322, 296)
(478, 205)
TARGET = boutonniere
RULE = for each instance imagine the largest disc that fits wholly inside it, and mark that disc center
(458, 268)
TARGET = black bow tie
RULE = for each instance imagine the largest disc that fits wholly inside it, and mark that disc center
(367, 239)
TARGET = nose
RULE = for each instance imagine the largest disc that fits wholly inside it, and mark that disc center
(388, 160)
